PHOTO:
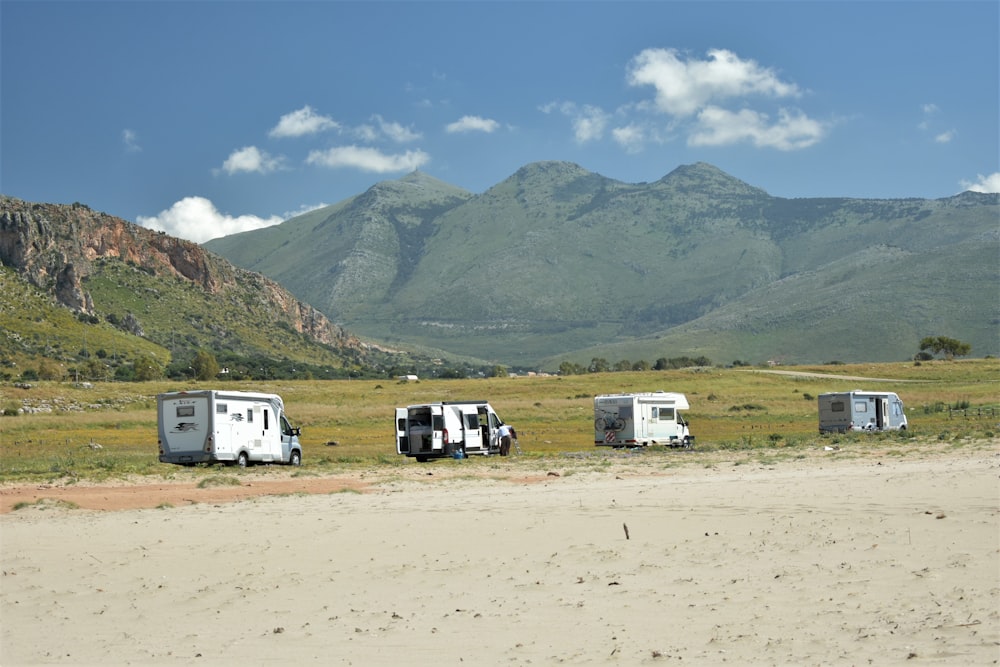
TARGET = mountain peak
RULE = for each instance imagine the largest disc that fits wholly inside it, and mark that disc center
(707, 178)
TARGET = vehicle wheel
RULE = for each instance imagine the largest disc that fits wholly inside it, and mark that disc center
(242, 460)
(421, 459)
(295, 459)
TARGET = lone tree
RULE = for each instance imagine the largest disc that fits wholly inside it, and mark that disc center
(942, 344)
(204, 365)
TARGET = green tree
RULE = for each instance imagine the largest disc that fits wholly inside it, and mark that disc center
(147, 368)
(205, 366)
(598, 365)
(50, 370)
(569, 368)
(950, 347)
(94, 369)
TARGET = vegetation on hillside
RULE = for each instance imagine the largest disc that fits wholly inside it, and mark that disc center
(557, 264)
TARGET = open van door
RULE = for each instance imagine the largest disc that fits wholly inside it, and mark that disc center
(882, 413)
(402, 439)
(473, 434)
(438, 428)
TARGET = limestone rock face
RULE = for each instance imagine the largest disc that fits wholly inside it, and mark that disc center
(55, 248)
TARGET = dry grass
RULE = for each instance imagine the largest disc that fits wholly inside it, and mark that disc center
(110, 430)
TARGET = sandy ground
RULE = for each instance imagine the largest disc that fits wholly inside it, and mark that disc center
(831, 560)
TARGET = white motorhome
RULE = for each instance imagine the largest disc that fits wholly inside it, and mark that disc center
(233, 427)
(447, 429)
(648, 418)
(859, 410)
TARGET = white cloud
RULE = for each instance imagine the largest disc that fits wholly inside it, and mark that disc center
(301, 122)
(196, 219)
(472, 124)
(396, 132)
(589, 122)
(302, 210)
(251, 159)
(631, 137)
(368, 159)
(131, 141)
(719, 127)
(685, 87)
(989, 183)
(945, 137)
(365, 133)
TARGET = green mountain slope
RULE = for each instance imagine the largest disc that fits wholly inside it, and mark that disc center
(557, 263)
(346, 258)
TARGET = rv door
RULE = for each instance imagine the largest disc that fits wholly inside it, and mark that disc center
(437, 428)
(473, 434)
(402, 439)
(882, 413)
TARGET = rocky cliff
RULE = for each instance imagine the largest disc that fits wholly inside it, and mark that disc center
(55, 247)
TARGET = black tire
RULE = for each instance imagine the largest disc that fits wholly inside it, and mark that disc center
(421, 459)
(296, 458)
(242, 460)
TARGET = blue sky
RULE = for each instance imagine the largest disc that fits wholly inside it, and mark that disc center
(207, 118)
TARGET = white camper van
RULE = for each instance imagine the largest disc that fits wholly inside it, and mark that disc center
(650, 418)
(440, 430)
(859, 410)
(240, 427)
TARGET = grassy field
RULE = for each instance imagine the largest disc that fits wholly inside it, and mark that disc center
(108, 430)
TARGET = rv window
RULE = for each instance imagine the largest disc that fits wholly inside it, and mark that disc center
(221, 408)
(250, 415)
(472, 421)
(860, 406)
(437, 422)
(185, 411)
(265, 419)
(837, 406)
(666, 414)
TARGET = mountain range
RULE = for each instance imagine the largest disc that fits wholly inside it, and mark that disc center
(558, 264)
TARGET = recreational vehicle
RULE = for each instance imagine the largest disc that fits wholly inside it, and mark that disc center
(233, 427)
(650, 418)
(859, 410)
(448, 429)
